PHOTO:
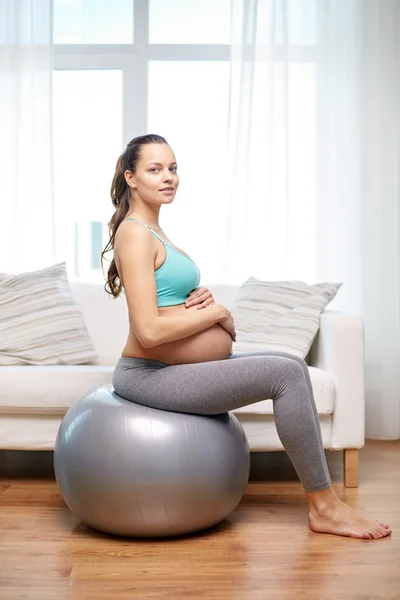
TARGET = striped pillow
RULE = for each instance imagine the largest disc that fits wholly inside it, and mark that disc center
(279, 315)
(39, 322)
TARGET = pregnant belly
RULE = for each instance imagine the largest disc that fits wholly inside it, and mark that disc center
(214, 343)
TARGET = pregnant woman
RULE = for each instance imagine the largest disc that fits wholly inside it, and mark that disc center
(178, 355)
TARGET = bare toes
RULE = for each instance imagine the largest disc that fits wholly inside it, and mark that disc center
(380, 533)
(383, 529)
(377, 534)
(383, 533)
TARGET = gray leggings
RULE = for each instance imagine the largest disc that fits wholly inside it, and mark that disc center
(214, 387)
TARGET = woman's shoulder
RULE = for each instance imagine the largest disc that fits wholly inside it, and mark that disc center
(133, 235)
(128, 229)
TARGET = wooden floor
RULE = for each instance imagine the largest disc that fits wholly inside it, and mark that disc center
(263, 551)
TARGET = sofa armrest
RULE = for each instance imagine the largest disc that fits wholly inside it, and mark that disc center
(339, 349)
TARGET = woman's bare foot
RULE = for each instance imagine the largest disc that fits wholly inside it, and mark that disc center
(334, 516)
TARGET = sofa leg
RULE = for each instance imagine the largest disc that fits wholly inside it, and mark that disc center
(350, 467)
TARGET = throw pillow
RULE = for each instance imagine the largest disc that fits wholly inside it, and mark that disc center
(279, 315)
(39, 322)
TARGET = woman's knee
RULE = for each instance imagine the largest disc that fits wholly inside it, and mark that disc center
(295, 358)
(286, 375)
(300, 361)
(288, 367)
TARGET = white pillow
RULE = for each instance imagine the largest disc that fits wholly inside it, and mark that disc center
(39, 322)
(279, 315)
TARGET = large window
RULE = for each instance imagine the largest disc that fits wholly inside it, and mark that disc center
(130, 67)
(87, 140)
(93, 22)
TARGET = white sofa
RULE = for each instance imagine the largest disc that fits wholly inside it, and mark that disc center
(34, 399)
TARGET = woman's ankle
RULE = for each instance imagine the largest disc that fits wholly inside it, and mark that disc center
(322, 499)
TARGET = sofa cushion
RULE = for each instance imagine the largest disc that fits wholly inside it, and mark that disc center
(48, 388)
(262, 435)
(279, 315)
(25, 432)
(40, 324)
(56, 388)
(106, 319)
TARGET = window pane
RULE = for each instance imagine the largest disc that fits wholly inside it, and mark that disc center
(300, 20)
(183, 22)
(194, 123)
(93, 22)
(87, 142)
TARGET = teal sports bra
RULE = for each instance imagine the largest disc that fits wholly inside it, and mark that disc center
(177, 276)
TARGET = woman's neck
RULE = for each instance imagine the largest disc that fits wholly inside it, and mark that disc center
(147, 220)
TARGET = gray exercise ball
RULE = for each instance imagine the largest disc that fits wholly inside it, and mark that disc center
(131, 470)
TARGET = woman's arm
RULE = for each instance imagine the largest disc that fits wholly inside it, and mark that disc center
(136, 249)
(176, 327)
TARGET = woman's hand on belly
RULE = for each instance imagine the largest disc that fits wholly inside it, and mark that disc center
(200, 297)
(213, 343)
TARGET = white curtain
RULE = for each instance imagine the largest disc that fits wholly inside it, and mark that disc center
(271, 142)
(314, 165)
(359, 186)
(26, 161)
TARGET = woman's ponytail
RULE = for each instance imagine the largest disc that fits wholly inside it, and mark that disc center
(120, 197)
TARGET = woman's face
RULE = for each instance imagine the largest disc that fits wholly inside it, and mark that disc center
(155, 171)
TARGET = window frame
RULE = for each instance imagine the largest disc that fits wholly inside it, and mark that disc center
(133, 60)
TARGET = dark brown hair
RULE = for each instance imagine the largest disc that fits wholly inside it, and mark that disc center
(120, 195)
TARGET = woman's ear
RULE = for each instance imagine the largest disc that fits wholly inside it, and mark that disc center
(129, 179)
